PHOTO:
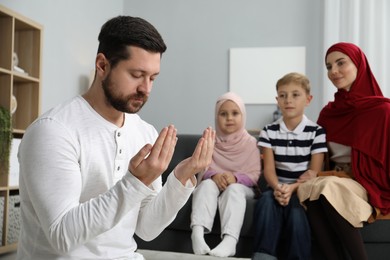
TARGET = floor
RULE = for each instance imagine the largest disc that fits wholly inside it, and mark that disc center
(154, 255)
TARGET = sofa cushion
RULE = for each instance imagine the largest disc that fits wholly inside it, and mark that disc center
(376, 232)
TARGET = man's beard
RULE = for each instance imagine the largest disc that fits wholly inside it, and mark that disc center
(123, 104)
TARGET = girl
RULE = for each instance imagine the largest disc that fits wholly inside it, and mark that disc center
(228, 181)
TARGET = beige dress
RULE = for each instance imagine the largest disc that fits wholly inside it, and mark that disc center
(346, 195)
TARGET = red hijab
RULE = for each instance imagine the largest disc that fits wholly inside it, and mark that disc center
(360, 118)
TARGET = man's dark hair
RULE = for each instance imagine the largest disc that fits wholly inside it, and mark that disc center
(122, 31)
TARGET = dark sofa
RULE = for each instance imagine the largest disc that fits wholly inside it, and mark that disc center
(177, 236)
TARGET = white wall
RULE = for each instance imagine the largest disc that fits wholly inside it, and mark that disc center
(199, 34)
(70, 42)
(195, 67)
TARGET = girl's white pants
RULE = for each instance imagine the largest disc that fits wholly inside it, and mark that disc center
(231, 204)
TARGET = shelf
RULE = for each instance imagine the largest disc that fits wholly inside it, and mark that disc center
(5, 71)
(20, 77)
(27, 47)
(8, 248)
(8, 188)
(5, 90)
(6, 32)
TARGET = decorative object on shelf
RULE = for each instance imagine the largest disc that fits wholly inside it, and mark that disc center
(5, 139)
(14, 104)
(15, 61)
(14, 218)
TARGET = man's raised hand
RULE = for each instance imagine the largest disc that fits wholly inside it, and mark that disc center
(151, 161)
(200, 159)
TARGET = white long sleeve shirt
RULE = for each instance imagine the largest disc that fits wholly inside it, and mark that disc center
(78, 199)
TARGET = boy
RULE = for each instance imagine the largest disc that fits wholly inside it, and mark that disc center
(293, 150)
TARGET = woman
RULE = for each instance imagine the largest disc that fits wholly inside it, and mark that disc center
(357, 124)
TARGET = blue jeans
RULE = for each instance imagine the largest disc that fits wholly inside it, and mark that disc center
(273, 222)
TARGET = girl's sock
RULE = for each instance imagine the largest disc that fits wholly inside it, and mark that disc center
(199, 245)
(226, 248)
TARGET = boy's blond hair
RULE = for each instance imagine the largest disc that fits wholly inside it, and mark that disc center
(294, 77)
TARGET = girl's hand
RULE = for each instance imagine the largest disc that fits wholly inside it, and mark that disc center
(229, 177)
(220, 181)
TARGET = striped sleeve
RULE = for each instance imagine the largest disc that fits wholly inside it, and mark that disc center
(319, 142)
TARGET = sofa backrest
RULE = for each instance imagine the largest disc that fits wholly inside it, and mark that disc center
(185, 146)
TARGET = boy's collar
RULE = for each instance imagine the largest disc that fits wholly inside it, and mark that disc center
(299, 129)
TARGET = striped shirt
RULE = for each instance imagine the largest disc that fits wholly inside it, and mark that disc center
(293, 149)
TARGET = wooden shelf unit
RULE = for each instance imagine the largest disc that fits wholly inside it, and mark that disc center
(20, 35)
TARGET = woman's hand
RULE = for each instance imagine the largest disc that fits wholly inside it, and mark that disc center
(307, 175)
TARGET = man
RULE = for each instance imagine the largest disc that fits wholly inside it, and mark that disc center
(90, 168)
